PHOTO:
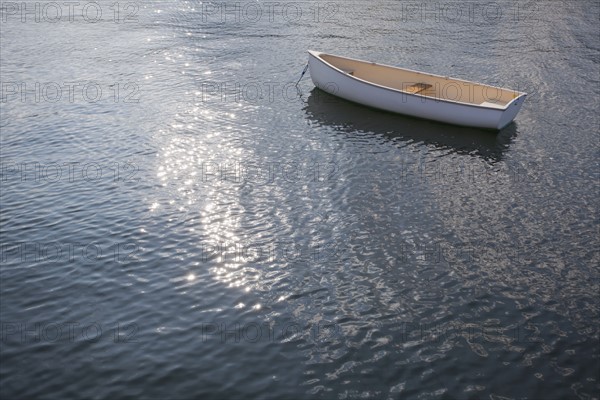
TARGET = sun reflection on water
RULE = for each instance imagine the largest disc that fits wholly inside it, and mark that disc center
(201, 201)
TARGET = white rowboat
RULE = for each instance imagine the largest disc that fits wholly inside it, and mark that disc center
(414, 93)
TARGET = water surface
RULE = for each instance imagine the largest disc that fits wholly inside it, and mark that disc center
(185, 223)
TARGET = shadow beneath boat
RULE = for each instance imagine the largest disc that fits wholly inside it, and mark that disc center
(348, 117)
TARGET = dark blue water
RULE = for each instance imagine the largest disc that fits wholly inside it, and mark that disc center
(178, 221)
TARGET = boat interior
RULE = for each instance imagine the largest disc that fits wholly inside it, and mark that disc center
(428, 85)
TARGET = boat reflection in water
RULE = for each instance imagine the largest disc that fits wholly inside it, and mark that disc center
(328, 110)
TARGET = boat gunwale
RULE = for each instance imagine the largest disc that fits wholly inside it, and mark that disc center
(317, 55)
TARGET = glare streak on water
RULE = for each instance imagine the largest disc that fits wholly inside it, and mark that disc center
(203, 229)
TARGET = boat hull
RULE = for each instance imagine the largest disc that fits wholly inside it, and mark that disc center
(339, 83)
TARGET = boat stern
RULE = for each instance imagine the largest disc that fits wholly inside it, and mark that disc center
(511, 111)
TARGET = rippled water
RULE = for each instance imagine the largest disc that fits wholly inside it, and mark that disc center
(178, 221)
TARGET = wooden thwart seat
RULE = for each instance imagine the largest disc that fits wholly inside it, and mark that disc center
(417, 88)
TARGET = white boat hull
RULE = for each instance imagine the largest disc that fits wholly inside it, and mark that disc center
(487, 113)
